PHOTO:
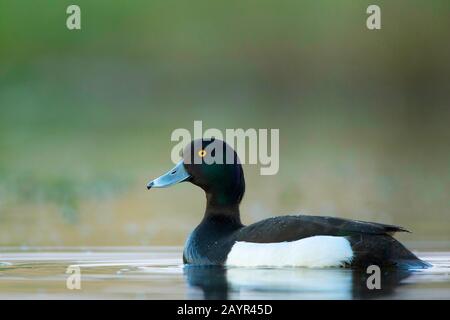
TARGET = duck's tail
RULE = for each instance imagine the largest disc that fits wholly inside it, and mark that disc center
(383, 251)
(411, 264)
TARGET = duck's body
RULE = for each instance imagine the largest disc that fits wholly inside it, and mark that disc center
(303, 241)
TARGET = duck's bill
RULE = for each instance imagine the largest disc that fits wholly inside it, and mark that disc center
(176, 175)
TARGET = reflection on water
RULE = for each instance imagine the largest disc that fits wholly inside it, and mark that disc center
(157, 273)
(296, 283)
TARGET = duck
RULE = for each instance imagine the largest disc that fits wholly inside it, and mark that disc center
(221, 239)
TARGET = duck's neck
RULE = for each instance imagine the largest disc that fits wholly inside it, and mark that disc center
(223, 208)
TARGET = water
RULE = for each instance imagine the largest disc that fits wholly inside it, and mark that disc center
(158, 273)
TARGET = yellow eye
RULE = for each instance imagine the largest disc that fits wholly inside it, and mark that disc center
(202, 153)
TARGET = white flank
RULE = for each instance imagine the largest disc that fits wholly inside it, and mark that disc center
(313, 252)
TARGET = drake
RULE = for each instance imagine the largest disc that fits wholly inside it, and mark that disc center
(295, 241)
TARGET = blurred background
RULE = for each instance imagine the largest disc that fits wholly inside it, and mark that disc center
(86, 116)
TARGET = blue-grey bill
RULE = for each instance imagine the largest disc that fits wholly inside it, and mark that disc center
(176, 175)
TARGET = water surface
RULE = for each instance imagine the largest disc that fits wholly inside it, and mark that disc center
(158, 273)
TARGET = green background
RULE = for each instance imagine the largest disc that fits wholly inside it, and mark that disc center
(86, 116)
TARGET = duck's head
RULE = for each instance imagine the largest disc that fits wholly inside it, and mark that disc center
(212, 165)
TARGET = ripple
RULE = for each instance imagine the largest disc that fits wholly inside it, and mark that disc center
(158, 273)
